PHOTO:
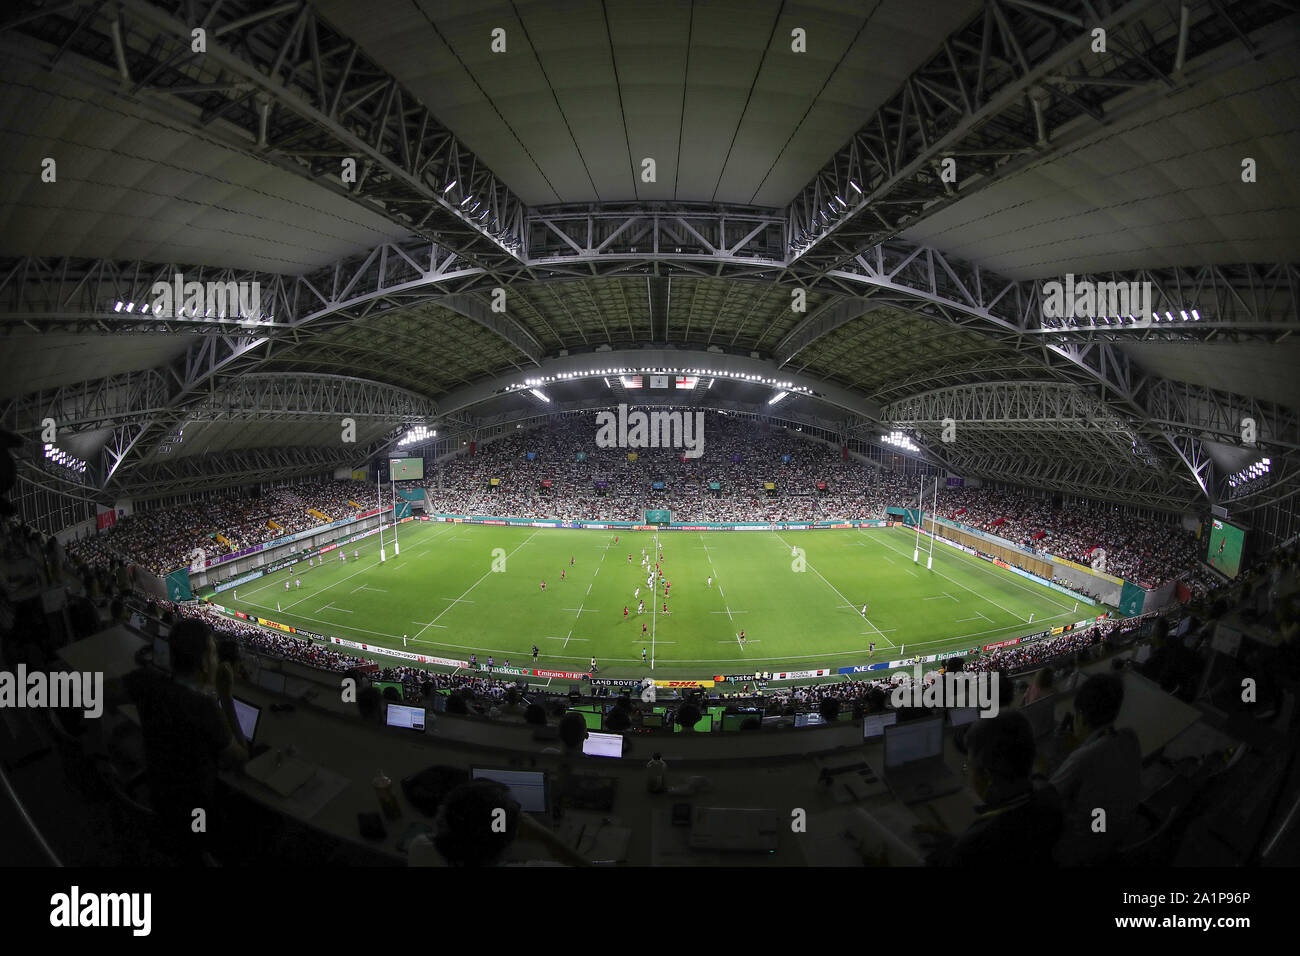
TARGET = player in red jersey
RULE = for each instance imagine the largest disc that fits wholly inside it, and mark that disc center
(543, 585)
(570, 562)
(625, 612)
(665, 606)
(562, 574)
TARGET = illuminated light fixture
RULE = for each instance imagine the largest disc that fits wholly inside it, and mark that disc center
(118, 307)
(540, 395)
(856, 187)
(777, 397)
(1196, 315)
(130, 306)
(419, 433)
(448, 188)
(899, 440)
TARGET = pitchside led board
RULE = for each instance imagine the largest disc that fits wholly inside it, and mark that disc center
(406, 469)
(1223, 551)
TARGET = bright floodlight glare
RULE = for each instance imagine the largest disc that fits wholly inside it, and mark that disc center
(539, 394)
(777, 397)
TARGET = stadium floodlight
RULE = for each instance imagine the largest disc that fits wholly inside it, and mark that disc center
(777, 397)
(118, 307)
(856, 187)
(1196, 315)
(540, 395)
(446, 189)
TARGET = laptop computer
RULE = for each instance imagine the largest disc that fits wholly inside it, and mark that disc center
(914, 767)
(528, 787)
(603, 745)
(406, 717)
(873, 725)
(249, 717)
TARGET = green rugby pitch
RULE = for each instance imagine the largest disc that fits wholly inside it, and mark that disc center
(441, 593)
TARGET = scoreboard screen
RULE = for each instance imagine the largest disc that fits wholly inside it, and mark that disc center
(1223, 549)
(405, 469)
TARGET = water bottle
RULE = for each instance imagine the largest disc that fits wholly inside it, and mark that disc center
(387, 799)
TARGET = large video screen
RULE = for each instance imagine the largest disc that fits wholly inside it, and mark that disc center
(1223, 550)
(405, 469)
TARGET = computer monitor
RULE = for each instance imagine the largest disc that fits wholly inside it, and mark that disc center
(652, 720)
(248, 716)
(406, 717)
(914, 740)
(874, 725)
(528, 787)
(809, 720)
(162, 654)
(961, 716)
(603, 745)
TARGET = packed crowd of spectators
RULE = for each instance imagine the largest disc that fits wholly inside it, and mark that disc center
(164, 539)
(588, 483)
(1136, 549)
(740, 455)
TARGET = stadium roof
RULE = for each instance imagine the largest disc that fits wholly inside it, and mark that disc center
(800, 226)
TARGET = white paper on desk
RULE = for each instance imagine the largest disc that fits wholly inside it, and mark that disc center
(282, 774)
(316, 793)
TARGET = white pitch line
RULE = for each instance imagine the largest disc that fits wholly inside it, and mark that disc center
(838, 593)
(429, 625)
(334, 585)
(473, 586)
(965, 588)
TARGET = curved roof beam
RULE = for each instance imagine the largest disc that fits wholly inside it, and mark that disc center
(590, 364)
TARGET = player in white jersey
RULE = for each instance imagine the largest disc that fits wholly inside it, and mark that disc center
(636, 594)
(710, 582)
(297, 582)
(286, 585)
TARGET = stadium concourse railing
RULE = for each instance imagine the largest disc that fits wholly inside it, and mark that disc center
(722, 682)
